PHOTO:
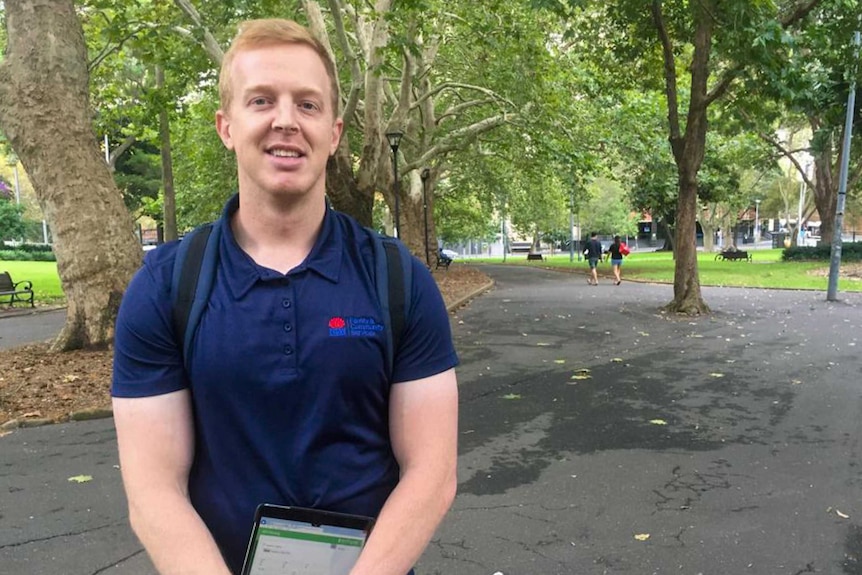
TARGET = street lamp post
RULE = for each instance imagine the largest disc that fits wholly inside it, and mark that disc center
(394, 138)
(756, 222)
(426, 173)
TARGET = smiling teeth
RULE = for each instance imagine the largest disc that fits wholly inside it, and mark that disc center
(284, 153)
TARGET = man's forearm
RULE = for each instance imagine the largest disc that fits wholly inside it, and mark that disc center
(406, 524)
(176, 538)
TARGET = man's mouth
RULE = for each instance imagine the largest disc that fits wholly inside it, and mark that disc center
(278, 153)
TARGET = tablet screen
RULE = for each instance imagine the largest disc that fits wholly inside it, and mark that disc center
(291, 547)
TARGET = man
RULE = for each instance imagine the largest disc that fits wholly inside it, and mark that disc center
(272, 407)
(593, 253)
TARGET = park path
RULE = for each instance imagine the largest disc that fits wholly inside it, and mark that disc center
(723, 444)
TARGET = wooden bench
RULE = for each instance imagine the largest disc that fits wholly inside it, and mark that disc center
(733, 256)
(16, 291)
(538, 257)
(442, 261)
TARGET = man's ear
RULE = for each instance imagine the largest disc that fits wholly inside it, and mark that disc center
(222, 123)
(337, 128)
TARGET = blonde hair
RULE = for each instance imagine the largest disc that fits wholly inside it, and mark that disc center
(255, 34)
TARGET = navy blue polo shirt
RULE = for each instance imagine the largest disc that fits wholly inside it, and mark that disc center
(287, 376)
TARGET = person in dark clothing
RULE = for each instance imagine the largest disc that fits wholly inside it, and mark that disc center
(593, 254)
(615, 253)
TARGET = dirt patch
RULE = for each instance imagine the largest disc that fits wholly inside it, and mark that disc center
(37, 386)
(851, 271)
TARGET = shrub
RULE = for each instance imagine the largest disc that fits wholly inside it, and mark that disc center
(21, 255)
(850, 252)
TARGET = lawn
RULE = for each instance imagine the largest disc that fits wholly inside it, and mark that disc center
(765, 271)
(46, 282)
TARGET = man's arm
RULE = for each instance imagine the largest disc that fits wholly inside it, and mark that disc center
(156, 442)
(423, 422)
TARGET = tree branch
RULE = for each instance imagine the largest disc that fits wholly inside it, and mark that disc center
(787, 154)
(455, 140)
(455, 110)
(119, 151)
(209, 43)
(352, 97)
(798, 12)
(669, 70)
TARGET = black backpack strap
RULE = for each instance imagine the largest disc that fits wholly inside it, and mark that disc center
(393, 280)
(193, 275)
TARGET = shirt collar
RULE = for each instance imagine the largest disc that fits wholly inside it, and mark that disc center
(241, 272)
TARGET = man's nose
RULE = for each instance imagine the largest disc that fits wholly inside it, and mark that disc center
(285, 118)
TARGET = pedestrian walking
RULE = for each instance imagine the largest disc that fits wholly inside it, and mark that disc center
(616, 252)
(593, 255)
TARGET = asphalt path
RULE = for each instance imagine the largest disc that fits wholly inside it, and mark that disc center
(718, 445)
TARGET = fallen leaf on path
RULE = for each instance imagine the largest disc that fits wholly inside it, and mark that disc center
(81, 478)
(716, 375)
(642, 536)
(842, 515)
(658, 421)
(543, 344)
(643, 334)
(582, 376)
(71, 377)
(560, 361)
(512, 396)
(616, 360)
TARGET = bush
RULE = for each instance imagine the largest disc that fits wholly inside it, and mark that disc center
(23, 255)
(850, 252)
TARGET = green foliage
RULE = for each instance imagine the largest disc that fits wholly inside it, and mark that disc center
(204, 171)
(20, 255)
(138, 175)
(11, 219)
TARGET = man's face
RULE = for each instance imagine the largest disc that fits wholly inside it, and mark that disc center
(280, 122)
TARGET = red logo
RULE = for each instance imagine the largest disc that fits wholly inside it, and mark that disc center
(337, 323)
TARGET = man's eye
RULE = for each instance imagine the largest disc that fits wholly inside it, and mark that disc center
(258, 102)
(308, 106)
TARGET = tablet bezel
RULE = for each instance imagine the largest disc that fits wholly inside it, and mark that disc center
(314, 517)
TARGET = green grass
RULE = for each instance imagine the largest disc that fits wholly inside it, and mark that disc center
(46, 281)
(765, 271)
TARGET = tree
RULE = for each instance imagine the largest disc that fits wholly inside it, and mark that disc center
(40, 83)
(710, 44)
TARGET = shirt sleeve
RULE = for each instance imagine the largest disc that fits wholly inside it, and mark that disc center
(426, 348)
(147, 359)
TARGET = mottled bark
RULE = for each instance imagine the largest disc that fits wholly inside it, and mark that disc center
(45, 113)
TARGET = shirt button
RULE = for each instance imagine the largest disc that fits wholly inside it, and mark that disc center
(288, 327)
(288, 350)
(285, 303)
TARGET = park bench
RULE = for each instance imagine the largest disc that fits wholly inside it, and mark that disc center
(538, 257)
(442, 261)
(733, 256)
(16, 291)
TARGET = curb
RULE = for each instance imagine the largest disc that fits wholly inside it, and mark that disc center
(19, 312)
(475, 293)
(82, 415)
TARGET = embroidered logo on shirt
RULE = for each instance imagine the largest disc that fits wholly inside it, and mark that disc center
(354, 327)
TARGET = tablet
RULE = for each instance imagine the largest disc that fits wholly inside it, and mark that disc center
(301, 541)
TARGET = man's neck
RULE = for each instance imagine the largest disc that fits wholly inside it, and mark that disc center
(278, 234)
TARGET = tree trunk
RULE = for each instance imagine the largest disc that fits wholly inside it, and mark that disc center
(45, 113)
(686, 280)
(342, 188)
(688, 151)
(170, 197)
